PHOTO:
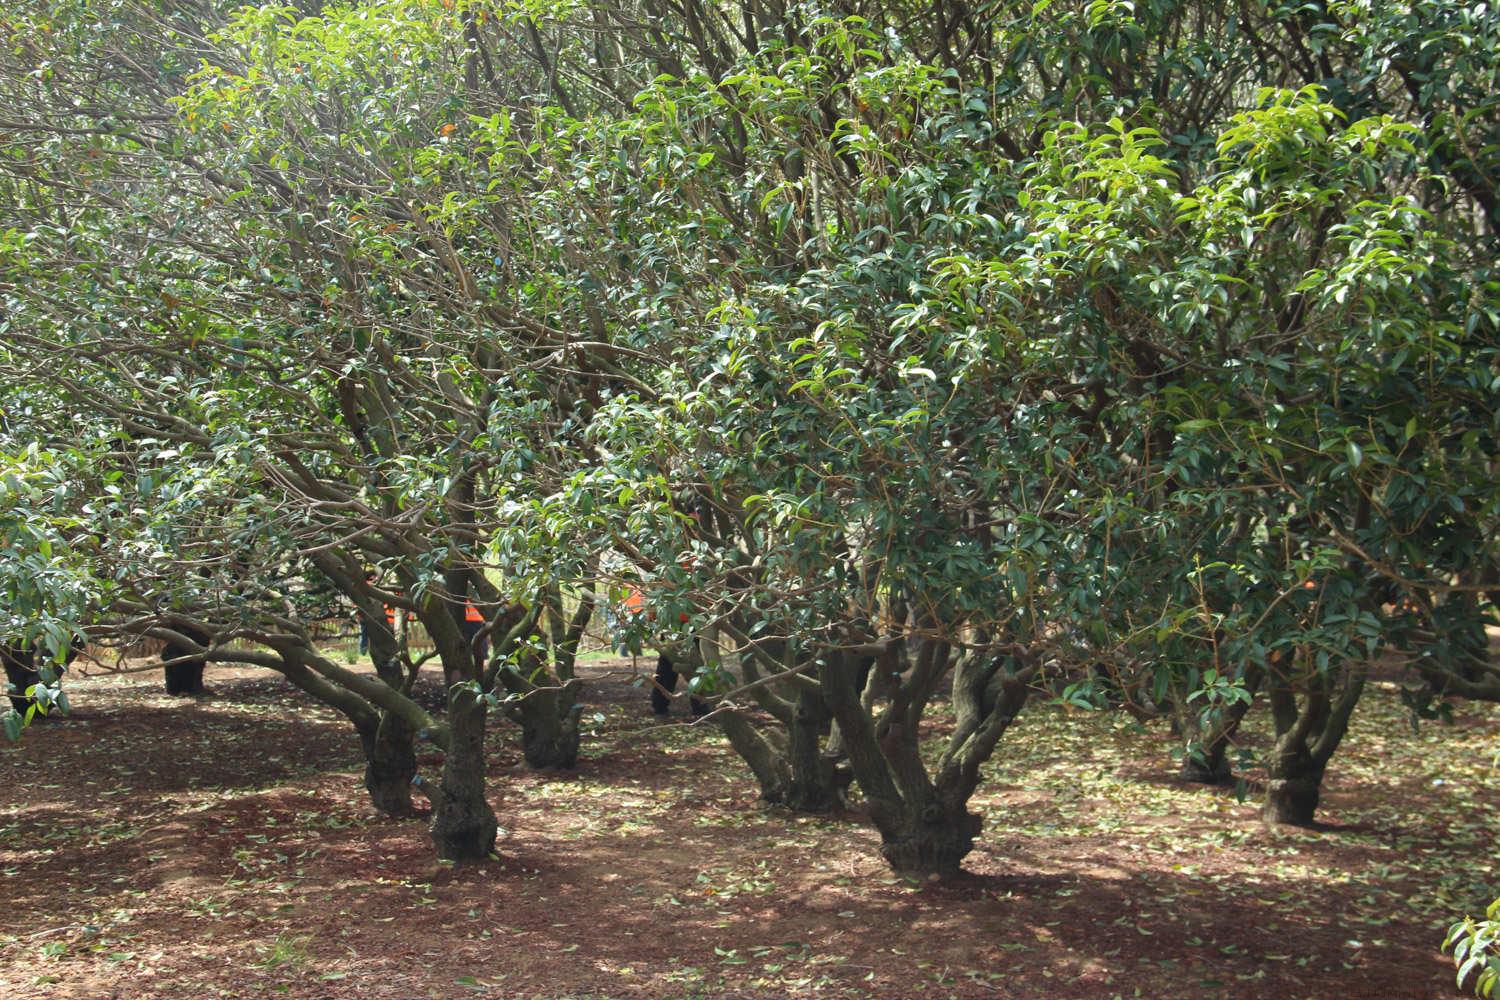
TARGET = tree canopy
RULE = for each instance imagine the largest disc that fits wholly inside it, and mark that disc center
(903, 358)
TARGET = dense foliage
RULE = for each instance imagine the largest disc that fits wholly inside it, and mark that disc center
(1474, 943)
(896, 354)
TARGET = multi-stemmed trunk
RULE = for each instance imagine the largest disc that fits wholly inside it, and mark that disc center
(928, 837)
(548, 715)
(1208, 732)
(390, 745)
(1309, 729)
(463, 826)
(541, 687)
(794, 759)
(1295, 786)
(925, 825)
(815, 784)
(790, 764)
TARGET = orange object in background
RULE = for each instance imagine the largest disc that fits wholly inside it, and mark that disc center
(635, 603)
(471, 614)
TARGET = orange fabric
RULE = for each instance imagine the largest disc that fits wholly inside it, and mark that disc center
(471, 614)
(635, 603)
(390, 616)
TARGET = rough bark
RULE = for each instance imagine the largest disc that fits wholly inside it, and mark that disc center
(1294, 788)
(542, 689)
(1308, 732)
(766, 761)
(814, 785)
(548, 717)
(183, 666)
(387, 739)
(549, 728)
(790, 765)
(463, 824)
(929, 841)
(390, 765)
(390, 753)
(925, 826)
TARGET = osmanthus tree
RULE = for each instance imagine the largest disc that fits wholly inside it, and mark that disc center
(1298, 336)
(447, 289)
(121, 281)
(801, 149)
(318, 324)
(1173, 288)
(46, 591)
(481, 237)
(842, 478)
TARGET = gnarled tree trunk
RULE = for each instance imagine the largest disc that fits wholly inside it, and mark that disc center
(542, 688)
(463, 824)
(1308, 732)
(1294, 788)
(791, 759)
(925, 826)
(548, 717)
(388, 740)
(814, 785)
(390, 764)
(927, 840)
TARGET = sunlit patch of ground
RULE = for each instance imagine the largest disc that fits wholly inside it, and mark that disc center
(156, 847)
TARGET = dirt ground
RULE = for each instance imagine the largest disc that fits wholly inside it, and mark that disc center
(224, 847)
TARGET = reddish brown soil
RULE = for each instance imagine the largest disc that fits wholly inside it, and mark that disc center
(157, 847)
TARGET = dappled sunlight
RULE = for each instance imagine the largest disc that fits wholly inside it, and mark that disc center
(653, 870)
